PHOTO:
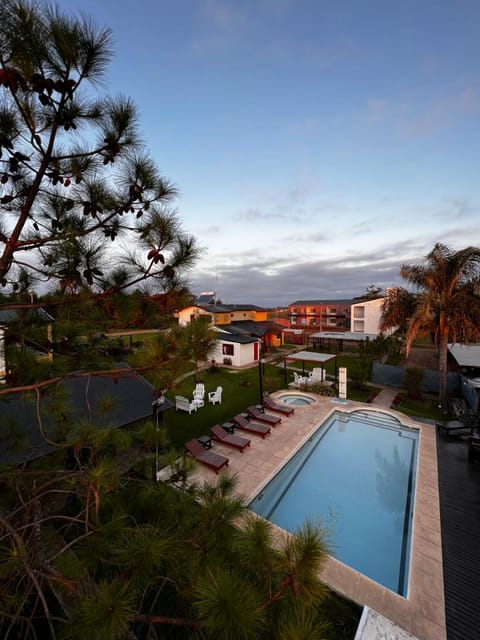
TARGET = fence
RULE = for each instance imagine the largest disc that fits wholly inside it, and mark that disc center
(389, 375)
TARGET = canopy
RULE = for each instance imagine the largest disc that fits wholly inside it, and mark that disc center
(311, 356)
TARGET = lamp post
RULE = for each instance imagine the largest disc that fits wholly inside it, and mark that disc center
(158, 406)
(261, 365)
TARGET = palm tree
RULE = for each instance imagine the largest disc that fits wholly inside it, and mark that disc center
(447, 302)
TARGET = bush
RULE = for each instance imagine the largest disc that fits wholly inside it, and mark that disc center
(227, 361)
(413, 381)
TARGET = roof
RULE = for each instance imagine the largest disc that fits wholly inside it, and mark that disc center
(228, 308)
(466, 355)
(39, 314)
(247, 327)
(348, 301)
(344, 335)
(129, 399)
(311, 356)
(239, 339)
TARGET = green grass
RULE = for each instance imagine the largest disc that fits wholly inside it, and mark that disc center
(240, 389)
(426, 407)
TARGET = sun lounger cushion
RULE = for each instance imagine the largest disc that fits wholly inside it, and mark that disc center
(213, 460)
(229, 439)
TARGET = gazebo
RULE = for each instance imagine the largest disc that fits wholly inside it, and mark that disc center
(311, 356)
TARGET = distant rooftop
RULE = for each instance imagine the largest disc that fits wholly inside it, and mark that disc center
(324, 302)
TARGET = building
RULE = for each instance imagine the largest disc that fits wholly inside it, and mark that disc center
(319, 315)
(222, 313)
(244, 330)
(366, 316)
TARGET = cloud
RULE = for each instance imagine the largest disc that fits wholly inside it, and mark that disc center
(458, 208)
(224, 16)
(440, 114)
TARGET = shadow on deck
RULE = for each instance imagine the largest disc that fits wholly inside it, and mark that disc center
(459, 487)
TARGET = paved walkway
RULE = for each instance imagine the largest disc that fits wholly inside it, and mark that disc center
(385, 397)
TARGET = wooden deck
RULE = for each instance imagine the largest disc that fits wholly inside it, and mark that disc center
(459, 485)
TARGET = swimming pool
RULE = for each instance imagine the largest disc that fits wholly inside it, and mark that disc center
(297, 399)
(357, 473)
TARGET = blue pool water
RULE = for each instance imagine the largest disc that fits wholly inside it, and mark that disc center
(357, 474)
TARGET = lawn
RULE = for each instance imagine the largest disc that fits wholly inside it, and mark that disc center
(240, 389)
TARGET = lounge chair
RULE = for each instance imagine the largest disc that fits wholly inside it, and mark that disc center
(263, 417)
(231, 440)
(210, 459)
(251, 427)
(454, 426)
(268, 403)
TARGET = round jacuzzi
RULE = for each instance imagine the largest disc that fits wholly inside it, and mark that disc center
(297, 399)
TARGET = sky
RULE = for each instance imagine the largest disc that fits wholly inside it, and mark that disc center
(317, 145)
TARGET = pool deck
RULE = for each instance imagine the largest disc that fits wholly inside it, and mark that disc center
(422, 612)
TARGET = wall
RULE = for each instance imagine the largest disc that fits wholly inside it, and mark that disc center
(391, 376)
(185, 314)
(243, 354)
(372, 312)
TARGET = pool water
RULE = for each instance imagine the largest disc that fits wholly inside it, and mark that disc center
(357, 474)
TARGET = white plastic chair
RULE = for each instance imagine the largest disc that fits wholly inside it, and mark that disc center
(215, 397)
(199, 394)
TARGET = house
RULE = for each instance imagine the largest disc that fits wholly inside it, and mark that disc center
(366, 315)
(319, 315)
(222, 313)
(467, 357)
(236, 350)
(245, 331)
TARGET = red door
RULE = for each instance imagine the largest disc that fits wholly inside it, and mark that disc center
(255, 351)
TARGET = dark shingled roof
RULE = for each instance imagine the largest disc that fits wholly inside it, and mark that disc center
(13, 315)
(123, 399)
(324, 302)
(247, 328)
(239, 339)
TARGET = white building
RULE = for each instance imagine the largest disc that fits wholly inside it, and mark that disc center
(366, 316)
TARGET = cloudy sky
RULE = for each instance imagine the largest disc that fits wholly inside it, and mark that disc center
(317, 145)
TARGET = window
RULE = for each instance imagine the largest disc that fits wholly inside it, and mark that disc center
(227, 349)
(359, 312)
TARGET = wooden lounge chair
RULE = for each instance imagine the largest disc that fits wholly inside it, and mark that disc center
(263, 417)
(454, 426)
(210, 459)
(258, 429)
(231, 440)
(268, 403)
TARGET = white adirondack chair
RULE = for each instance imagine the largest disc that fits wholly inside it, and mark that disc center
(215, 396)
(199, 394)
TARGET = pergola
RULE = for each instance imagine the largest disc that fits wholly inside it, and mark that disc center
(311, 356)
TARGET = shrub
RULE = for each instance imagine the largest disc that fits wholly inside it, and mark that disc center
(413, 381)
(227, 361)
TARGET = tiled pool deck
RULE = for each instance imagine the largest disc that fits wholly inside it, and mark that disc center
(422, 613)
